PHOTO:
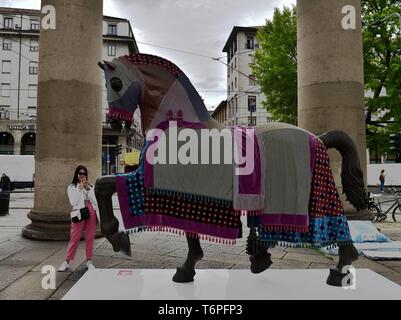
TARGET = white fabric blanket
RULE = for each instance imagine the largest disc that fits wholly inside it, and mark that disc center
(390, 247)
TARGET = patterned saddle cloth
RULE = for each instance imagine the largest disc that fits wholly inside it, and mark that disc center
(283, 195)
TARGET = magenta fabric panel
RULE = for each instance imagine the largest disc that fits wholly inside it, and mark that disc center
(284, 219)
(181, 224)
(250, 184)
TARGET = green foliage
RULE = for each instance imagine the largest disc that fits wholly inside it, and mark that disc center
(276, 68)
(275, 65)
(382, 63)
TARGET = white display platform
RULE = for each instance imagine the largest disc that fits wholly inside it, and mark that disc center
(156, 284)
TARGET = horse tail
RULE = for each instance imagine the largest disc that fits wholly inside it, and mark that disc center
(351, 172)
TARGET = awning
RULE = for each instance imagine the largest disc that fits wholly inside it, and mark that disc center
(131, 158)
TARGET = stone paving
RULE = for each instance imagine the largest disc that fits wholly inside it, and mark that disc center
(21, 260)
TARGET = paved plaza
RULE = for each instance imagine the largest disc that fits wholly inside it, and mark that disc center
(21, 260)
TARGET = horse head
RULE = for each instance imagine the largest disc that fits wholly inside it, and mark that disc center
(124, 91)
(153, 84)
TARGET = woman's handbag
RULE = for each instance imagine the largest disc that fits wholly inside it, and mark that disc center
(83, 214)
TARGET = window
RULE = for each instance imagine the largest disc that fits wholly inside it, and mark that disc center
(228, 72)
(34, 24)
(249, 42)
(252, 80)
(31, 111)
(8, 23)
(33, 46)
(6, 44)
(231, 67)
(112, 29)
(111, 50)
(5, 89)
(252, 103)
(4, 112)
(232, 86)
(235, 63)
(6, 66)
(32, 91)
(235, 82)
(33, 67)
(251, 121)
(235, 45)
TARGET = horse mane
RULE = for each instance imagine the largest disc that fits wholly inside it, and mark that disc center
(196, 100)
(148, 59)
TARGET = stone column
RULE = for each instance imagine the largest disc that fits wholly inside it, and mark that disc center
(330, 76)
(69, 112)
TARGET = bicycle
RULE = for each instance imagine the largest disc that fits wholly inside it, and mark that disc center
(375, 205)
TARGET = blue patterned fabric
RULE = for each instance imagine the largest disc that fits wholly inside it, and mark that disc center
(323, 231)
(135, 187)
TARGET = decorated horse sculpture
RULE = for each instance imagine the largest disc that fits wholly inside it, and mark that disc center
(289, 195)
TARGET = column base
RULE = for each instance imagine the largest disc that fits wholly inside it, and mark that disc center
(49, 227)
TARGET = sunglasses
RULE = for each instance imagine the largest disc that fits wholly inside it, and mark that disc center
(82, 173)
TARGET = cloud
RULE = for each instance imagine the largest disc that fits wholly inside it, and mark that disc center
(198, 26)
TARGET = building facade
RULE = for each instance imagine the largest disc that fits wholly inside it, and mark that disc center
(244, 97)
(19, 53)
(220, 113)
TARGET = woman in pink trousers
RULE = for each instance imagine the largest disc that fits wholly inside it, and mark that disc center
(84, 215)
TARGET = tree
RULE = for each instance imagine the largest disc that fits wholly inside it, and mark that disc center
(276, 68)
(382, 66)
(275, 65)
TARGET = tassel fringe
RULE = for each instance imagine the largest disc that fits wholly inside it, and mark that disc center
(180, 232)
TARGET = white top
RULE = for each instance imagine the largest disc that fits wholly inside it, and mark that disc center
(77, 199)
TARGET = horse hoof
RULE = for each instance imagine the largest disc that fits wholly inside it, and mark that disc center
(338, 279)
(260, 263)
(184, 275)
(120, 242)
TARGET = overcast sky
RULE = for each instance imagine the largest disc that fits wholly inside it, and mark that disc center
(198, 26)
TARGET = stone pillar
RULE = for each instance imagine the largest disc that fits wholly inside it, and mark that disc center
(330, 76)
(69, 112)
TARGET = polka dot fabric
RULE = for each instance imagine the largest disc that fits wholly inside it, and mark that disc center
(325, 200)
(147, 59)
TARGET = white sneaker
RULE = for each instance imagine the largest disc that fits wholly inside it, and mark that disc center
(89, 265)
(64, 266)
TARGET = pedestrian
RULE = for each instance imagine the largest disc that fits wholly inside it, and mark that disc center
(5, 183)
(84, 216)
(382, 178)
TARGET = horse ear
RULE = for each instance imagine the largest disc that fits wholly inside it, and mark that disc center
(101, 65)
(111, 65)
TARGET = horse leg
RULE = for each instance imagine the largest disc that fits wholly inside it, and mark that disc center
(347, 255)
(104, 189)
(259, 256)
(186, 272)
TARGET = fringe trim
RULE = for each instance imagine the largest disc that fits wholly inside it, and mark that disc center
(180, 232)
(120, 115)
(284, 244)
(190, 196)
(250, 213)
(285, 228)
